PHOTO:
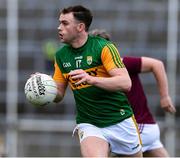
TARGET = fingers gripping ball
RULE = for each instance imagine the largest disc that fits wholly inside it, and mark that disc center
(40, 89)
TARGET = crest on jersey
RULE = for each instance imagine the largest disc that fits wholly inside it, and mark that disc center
(89, 60)
(81, 134)
(122, 112)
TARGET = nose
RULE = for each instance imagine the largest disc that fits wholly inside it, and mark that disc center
(59, 28)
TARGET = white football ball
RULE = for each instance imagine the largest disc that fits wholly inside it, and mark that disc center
(40, 89)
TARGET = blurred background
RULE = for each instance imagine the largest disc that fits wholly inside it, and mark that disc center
(28, 40)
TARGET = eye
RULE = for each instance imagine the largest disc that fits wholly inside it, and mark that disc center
(63, 22)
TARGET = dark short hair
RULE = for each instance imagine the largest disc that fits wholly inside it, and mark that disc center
(81, 14)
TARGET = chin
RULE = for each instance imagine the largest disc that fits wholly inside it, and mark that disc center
(62, 40)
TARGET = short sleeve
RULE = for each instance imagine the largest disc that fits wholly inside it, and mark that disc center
(111, 58)
(133, 64)
(58, 76)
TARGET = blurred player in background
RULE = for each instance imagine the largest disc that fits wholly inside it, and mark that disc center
(93, 68)
(49, 48)
(149, 129)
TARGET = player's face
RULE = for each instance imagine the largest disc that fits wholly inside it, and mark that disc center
(68, 28)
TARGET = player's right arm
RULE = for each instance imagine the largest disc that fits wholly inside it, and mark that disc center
(61, 83)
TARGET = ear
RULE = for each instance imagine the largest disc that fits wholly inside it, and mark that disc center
(81, 27)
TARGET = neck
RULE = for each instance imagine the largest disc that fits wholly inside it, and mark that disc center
(80, 40)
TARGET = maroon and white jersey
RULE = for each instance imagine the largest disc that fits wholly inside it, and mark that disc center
(136, 95)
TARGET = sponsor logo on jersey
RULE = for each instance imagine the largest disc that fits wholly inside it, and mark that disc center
(89, 60)
(91, 72)
(81, 134)
(96, 71)
(84, 84)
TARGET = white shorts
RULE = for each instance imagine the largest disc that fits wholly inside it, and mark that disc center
(123, 137)
(150, 136)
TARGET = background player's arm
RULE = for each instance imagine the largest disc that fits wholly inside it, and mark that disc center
(157, 68)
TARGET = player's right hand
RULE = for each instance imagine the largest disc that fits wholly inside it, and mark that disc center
(167, 105)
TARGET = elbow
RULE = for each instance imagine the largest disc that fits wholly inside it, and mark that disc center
(158, 65)
(125, 84)
(161, 65)
(129, 85)
(58, 98)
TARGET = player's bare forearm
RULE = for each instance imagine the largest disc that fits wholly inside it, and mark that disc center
(160, 74)
(114, 83)
(157, 68)
(119, 80)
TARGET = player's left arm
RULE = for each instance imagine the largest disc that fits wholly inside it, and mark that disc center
(157, 68)
(119, 78)
(61, 83)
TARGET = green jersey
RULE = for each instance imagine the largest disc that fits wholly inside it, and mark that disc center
(94, 105)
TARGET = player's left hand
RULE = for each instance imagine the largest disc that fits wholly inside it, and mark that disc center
(167, 105)
(81, 76)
